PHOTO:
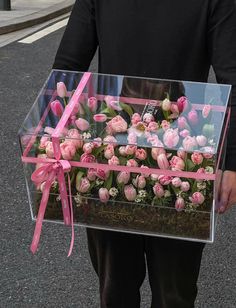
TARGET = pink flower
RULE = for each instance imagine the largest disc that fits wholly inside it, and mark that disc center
(109, 151)
(165, 124)
(176, 182)
(209, 151)
(102, 174)
(130, 149)
(88, 147)
(132, 163)
(122, 150)
(206, 111)
(184, 133)
(154, 177)
(75, 137)
(123, 177)
(82, 124)
(152, 127)
(114, 161)
(171, 138)
(179, 204)
(100, 117)
(182, 103)
(130, 192)
(103, 195)
(157, 151)
(112, 103)
(118, 124)
(154, 140)
(49, 150)
(136, 118)
(110, 140)
(201, 140)
(87, 158)
(68, 150)
(182, 154)
(82, 185)
(182, 122)
(174, 109)
(158, 190)
(201, 170)
(177, 163)
(197, 198)
(166, 104)
(43, 142)
(193, 117)
(61, 89)
(164, 179)
(162, 161)
(185, 186)
(92, 104)
(141, 154)
(197, 158)
(57, 108)
(97, 142)
(148, 117)
(189, 143)
(91, 175)
(139, 182)
(132, 138)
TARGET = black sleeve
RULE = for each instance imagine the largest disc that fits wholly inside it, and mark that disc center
(79, 42)
(222, 52)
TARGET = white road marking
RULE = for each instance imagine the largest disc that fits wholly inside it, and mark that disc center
(38, 35)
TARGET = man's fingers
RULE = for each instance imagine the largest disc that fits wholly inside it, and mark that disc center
(224, 199)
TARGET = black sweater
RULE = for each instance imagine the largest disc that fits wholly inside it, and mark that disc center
(164, 39)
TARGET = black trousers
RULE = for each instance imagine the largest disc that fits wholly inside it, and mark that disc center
(120, 263)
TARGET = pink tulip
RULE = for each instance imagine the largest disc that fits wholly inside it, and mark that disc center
(185, 186)
(130, 149)
(92, 104)
(88, 147)
(165, 124)
(130, 192)
(122, 151)
(118, 124)
(177, 163)
(166, 104)
(189, 143)
(57, 108)
(182, 154)
(201, 140)
(154, 177)
(197, 198)
(103, 195)
(82, 124)
(148, 117)
(100, 117)
(68, 150)
(163, 162)
(140, 154)
(114, 160)
(112, 103)
(132, 163)
(209, 152)
(182, 122)
(49, 150)
(146, 175)
(43, 142)
(152, 127)
(197, 158)
(102, 174)
(82, 185)
(61, 89)
(201, 170)
(87, 158)
(206, 111)
(139, 182)
(164, 179)
(174, 109)
(176, 182)
(171, 138)
(91, 175)
(184, 133)
(158, 190)
(75, 137)
(110, 140)
(179, 204)
(123, 177)
(136, 118)
(97, 142)
(132, 138)
(193, 117)
(109, 151)
(182, 103)
(157, 151)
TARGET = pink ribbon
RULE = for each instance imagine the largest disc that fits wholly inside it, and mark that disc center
(48, 174)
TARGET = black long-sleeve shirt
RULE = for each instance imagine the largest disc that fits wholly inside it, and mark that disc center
(164, 39)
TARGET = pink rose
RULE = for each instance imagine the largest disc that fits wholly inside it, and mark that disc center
(132, 163)
(158, 190)
(148, 117)
(201, 140)
(114, 161)
(163, 162)
(197, 158)
(122, 150)
(152, 127)
(179, 204)
(49, 150)
(118, 124)
(130, 149)
(110, 140)
(132, 138)
(68, 150)
(61, 89)
(189, 143)
(91, 175)
(103, 195)
(109, 151)
(88, 147)
(130, 192)
(166, 104)
(206, 111)
(157, 151)
(92, 104)
(197, 198)
(182, 154)
(141, 154)
(185, 186)
(75, 137)
(193, 117)
(164, 179)
(102, 174)
(182, 123)
(177, 163)
(100, 117)
(82, 185)
(123, 177)
(176, 182)
(182, 103)
(171, 138)
(82, 124)
(87, 158)
(136, 118)
(57, 108)
(165, 125)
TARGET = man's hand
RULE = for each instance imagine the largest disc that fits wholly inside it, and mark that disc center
(227, 191)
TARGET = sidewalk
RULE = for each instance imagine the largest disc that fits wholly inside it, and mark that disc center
(27, 13)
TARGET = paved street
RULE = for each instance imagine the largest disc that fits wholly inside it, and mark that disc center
(50, 279)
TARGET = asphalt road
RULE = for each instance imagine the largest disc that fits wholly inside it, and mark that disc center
(50, 279)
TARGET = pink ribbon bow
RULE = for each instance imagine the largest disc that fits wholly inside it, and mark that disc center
(48, 173)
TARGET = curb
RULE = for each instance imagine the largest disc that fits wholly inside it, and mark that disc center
(36, 18)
